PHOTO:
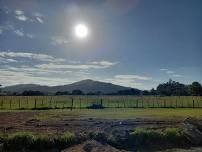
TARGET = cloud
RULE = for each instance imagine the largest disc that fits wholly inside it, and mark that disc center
(58, 40)
(31, 36)
(128, 80)
(89, 65)
(39, 57)
(124, 82)
(3, 60)
(104, 63)
(20, 15)
(1, 30)
(163, 69)
(23, 67)
(14, 77)
(39, 17)
(177, 75)
(19, 12)
(136, 77)
(19, 32)
(169, 72)
(39, 20)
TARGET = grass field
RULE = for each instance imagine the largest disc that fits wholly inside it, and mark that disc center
(79, 102)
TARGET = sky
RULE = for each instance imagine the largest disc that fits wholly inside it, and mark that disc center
(135, 43)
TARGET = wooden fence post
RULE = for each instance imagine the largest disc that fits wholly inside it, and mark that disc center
(80, 102)
(164, 103)
(193, 104)
(10, 103)
(101, 102)
(19, 103)
(72, 104)
(34, 103)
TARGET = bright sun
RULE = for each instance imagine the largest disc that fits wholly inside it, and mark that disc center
(81, 31)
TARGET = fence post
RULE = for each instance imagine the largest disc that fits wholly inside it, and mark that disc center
(80, 102)
(2, 103)
(19, 103)
(164, 103)
(176, 103)
(34, 103)
(10, 103)
(50, 102)
(193, 104)
(27, 103)
(72, 104)
(101, 101)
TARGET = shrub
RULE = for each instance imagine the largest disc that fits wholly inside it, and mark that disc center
(173, 134)
(65, 140)
(27, 140)
(21, 140)
(142, 137)
(43, 142)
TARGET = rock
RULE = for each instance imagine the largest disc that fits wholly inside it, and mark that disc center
(192, 132)
(197, 123)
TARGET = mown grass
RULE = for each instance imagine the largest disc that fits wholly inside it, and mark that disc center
(28, 140)
(129, 113)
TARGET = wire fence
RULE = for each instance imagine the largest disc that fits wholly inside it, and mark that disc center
(81, 102)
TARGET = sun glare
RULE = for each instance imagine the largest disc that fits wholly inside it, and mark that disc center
(81, 31)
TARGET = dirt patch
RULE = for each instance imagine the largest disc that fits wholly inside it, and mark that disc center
(92, 146)
(26, 121)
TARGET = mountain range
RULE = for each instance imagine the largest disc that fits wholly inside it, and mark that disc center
(85, 86)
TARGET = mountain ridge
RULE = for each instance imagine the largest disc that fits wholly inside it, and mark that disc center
(85, 86)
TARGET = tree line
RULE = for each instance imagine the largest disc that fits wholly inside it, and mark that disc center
(170, 88)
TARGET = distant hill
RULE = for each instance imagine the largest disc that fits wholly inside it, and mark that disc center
(85, 85)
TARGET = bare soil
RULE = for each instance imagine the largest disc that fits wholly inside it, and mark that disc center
(27, 121)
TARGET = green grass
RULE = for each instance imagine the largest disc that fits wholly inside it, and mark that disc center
(130, 113)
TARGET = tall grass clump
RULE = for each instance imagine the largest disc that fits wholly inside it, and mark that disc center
(65, 140)
(144, 138)
(43, 142)
(173, 134)
(30, 141)
(20, 140)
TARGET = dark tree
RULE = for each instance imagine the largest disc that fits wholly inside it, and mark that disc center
(77, 92)
(195, 89)
(145, 92)
(32, 93)
(172, 88)
(129, 92)
(62, 93)
(153, 91)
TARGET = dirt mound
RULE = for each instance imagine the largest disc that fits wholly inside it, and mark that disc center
(92, 146)
(193, 130)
